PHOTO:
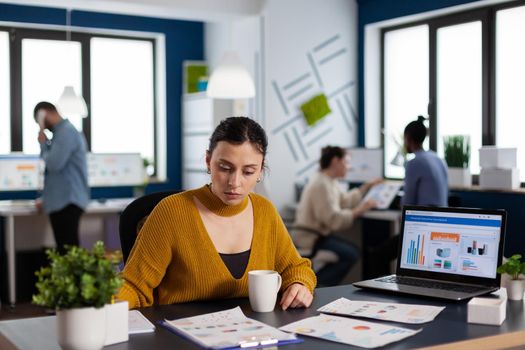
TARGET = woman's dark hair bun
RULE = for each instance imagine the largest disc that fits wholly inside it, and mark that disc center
(421, 119)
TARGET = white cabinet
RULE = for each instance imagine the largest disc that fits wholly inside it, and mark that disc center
(200, 116)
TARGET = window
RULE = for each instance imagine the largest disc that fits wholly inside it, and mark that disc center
(459, 86)
(510, 77)
(114, 73)
(122, 95)
(47, 66)
(5, 96)
(405, 89)
(473, 67)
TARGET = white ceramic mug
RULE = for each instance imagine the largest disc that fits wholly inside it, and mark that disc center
(263, 286)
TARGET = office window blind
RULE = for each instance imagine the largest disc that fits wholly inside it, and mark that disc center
(47, 66)
(510, 80)
(405, 89)
(122, 96)
(5, 96)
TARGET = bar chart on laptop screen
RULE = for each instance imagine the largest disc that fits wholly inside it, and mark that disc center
(416, 250)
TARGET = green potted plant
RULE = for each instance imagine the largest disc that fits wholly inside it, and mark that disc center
(514, 268)
(457, 156)
(78, 285)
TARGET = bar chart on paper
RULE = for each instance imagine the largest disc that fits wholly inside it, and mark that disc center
(415, 254)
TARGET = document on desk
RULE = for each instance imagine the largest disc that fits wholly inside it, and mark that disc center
(383, 193)
(404, 313)
(137, 323)
(349, 331)
(228, 329)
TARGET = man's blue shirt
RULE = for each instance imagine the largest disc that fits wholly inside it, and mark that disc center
(426, 180)
(66, 176)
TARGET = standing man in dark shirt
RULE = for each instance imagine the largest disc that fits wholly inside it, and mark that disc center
(66, 191)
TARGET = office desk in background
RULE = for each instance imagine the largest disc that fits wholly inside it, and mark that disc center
(10, 210)
(449, 326)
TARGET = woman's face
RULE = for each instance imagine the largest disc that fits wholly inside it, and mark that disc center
(341, 165)
(234, 170)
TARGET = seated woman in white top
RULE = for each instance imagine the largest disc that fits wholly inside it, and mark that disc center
(325, 208)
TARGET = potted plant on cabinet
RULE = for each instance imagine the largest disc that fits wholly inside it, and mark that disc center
(514, 268)
(78, 285)
(457, 156)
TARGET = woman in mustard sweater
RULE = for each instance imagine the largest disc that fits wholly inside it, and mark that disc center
(200, 244)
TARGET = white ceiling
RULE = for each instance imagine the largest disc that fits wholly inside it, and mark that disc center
(200, 10)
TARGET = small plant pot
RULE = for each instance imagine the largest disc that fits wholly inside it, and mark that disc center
(459, 177)
(515, 289)
(81, 328)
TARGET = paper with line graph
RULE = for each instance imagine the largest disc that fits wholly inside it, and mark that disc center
(404, 313)
(349, 331)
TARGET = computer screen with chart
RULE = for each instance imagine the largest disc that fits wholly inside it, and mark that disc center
(450, 242)
(115, 169)
(25, 172)
(21, 172)
(365, 164)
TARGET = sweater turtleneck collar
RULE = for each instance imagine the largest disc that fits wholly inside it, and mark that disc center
(215, 205)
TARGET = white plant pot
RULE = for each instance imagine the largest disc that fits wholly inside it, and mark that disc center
(459, 177)
(515, 289)
(82, 328)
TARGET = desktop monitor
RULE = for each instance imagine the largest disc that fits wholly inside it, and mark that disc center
(115, 169)
(365, 164)
(21, 172)
(25, 172)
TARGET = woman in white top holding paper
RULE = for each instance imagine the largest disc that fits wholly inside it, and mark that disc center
(324, 208)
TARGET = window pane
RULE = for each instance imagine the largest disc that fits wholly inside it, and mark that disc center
(406, 87)
(459, 86)
(5, 96)
(510, 75)
(122, 96)
(47, 66)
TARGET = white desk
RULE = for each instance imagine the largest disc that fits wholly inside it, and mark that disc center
(11, 209)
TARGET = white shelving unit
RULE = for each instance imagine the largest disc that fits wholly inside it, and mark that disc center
(200, 116)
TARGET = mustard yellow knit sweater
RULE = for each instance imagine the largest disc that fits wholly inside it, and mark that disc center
(174, 253)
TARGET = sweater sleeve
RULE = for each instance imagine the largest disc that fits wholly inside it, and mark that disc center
(328, 211)
(351, 198)
(149, 258)
(291, 266)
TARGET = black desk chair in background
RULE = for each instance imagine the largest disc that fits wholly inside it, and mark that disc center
(134, 216)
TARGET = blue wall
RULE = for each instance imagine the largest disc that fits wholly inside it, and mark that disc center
(371, 11)
(184, 41)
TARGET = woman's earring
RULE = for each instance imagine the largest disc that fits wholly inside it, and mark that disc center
(258, 179)
(208, 171)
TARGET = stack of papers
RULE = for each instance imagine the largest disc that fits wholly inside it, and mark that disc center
(404, 313)
(137, 323)
(228, 329)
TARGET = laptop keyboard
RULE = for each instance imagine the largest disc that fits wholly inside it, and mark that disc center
(431, 284)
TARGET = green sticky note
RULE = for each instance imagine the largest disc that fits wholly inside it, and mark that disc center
(193, 74)
(315, 109)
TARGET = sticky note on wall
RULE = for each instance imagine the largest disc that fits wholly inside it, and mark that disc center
(315, 109)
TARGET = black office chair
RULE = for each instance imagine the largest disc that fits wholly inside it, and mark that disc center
(134, 216)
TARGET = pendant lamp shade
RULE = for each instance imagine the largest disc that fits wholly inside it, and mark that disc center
(230, 79)
(70, 104)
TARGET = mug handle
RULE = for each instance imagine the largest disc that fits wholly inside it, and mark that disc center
(279, 282)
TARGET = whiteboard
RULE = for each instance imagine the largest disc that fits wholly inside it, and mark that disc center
(115, 169)
(365, 164)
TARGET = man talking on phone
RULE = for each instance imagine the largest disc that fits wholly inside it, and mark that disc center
(66, 191)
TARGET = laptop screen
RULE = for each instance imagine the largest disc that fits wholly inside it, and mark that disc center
(452, 242)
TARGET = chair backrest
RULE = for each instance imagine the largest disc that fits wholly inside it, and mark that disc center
(133, 217)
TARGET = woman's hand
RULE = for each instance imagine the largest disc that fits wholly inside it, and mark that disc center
(296, 295)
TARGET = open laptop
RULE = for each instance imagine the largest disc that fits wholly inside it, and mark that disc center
(449, 253)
